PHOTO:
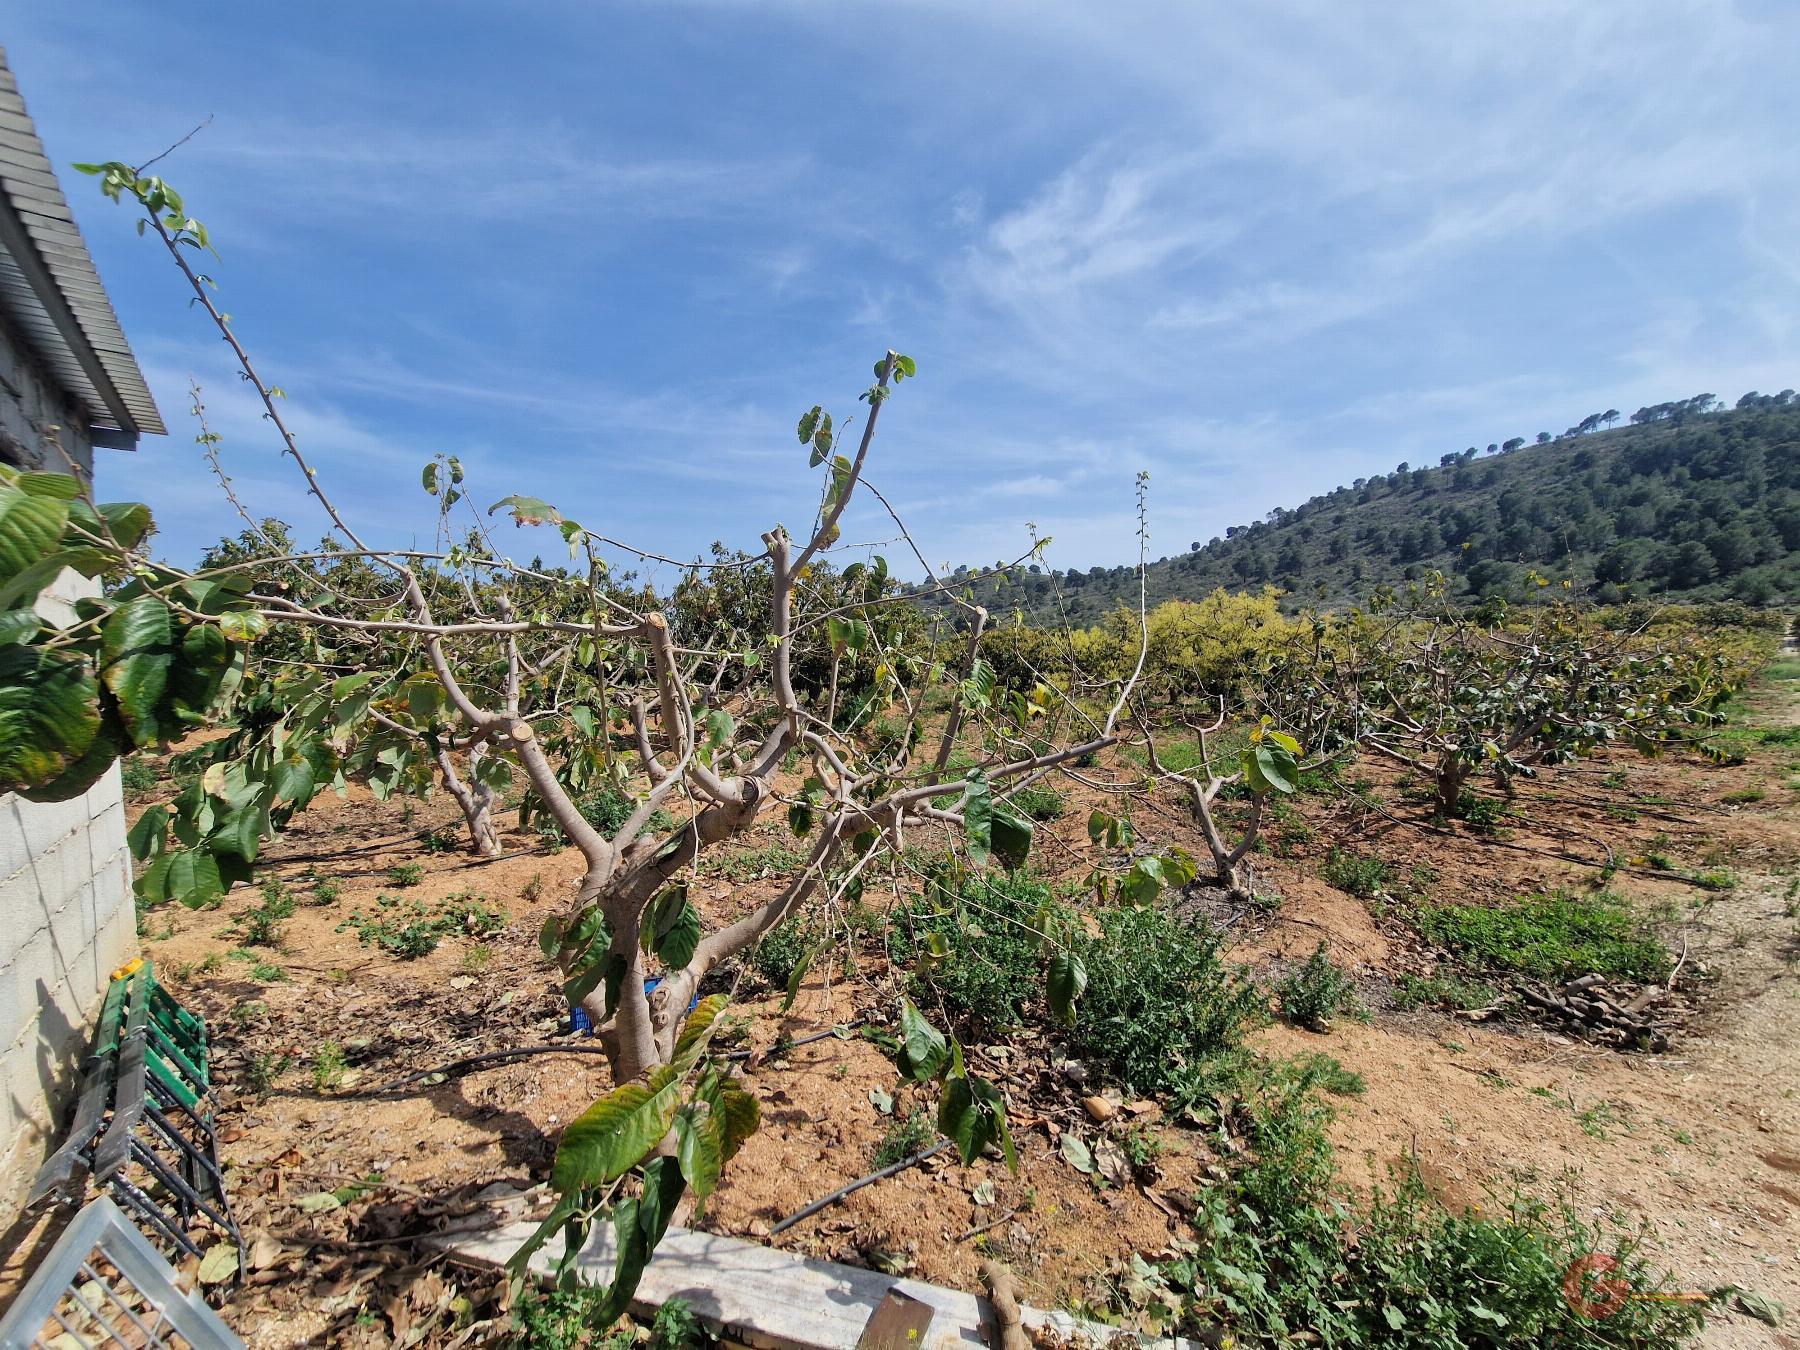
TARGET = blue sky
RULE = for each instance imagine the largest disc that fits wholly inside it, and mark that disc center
(608, 253)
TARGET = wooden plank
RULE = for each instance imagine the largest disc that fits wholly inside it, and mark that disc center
(768, 1299)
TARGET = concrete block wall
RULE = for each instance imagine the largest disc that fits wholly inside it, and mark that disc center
(67, 920)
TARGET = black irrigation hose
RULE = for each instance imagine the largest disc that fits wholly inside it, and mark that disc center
(826, 1202)
(473, 1062)
(840, 1030)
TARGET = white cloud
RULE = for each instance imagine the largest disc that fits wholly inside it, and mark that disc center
(1255, 249)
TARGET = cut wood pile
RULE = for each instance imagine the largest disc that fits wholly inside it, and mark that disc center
(1588, 1007)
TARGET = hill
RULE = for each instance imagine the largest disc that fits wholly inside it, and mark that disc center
(1683, 502)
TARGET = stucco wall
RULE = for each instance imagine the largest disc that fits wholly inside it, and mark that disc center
(66, 912)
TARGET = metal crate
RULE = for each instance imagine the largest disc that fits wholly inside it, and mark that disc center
(104, 1284)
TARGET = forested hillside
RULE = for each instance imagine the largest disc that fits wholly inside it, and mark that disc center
(1687, 500)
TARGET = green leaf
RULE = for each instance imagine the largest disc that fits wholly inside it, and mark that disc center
(1110, 831)
(424, 697)
(49, 715)
(148, 835)
(701, 1023)
(1010, 835)
(550, 937)
(84, 772)
(240, 832)
(292, 781)
(737, 1112)
(672, 927)
(528, 510)
(614, 1134)
(1178, 867)
(923, 1050)
(978, 818)
(29, 583)
(809, 423)
(586, 975)
(193, 877)
(138, 645)
(1144, 882)
(719, 726)
(18, 625)
(199, 671)
(638, 1225)
(1270, 767)
(518, 1265)
(128, 522)
(1395, 1318)
(31, 523)
(429, 479)
(243, 625)
(1068, 981)
(699, 1146)
(973, 1114)
(796, 975)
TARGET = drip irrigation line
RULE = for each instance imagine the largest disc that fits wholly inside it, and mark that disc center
(469, 1064)
(841, 1030)
(825, 1202)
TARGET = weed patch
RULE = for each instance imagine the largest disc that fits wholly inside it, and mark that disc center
(1550, 937)
(1443, 991)
(983, 956)
(408, 930)
(1039, 802)
(1359, 876)
(781, 950)
(904, 1138)
(1315, 993)
(262, 926)
(1162, 1010)
(753, 864)
(138, 774)
(1287, 1252)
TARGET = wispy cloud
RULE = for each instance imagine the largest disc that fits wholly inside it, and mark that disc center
(1256, 250)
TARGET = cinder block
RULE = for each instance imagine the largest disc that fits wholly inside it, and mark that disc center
(14, 855)
(33, 963)
(112, 889)
(48, 823)
(115, 943)
(18, 1002)
(22, 914)
(72, 935)
(108, 826)
(108, 791)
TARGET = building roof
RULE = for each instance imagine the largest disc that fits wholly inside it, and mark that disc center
(50, 292)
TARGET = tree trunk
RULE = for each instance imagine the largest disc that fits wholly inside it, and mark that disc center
(1451, 775)
(1227, 873)
(476, 800)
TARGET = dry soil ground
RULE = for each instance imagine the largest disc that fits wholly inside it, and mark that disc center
(1701, 1145)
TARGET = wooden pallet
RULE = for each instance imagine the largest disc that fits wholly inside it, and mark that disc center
(766, 1299)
